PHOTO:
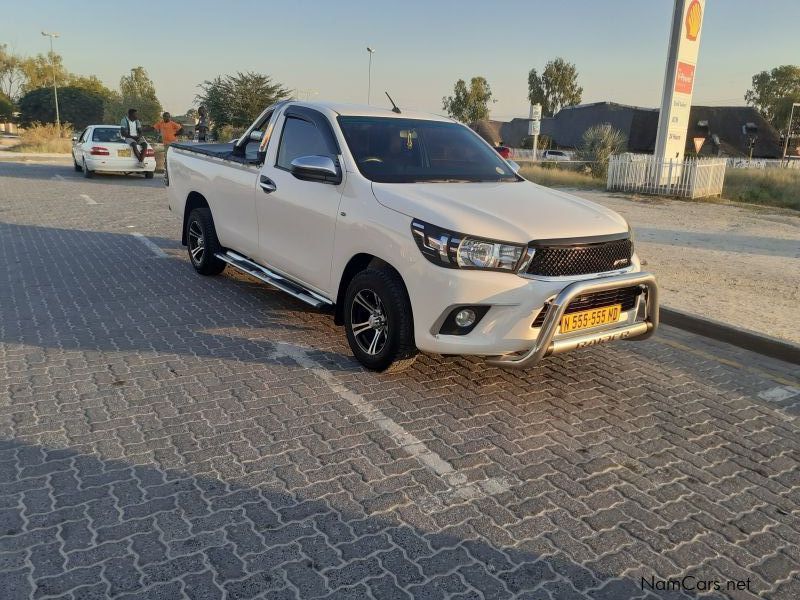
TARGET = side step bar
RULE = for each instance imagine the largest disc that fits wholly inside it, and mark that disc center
(290, 287)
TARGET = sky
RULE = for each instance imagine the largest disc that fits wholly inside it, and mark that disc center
(421, 47)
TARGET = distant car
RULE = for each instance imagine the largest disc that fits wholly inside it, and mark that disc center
(101, 148)
(555, 155)
(503, 151)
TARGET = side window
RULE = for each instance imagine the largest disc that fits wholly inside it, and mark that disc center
(83, 135)
(300, 138)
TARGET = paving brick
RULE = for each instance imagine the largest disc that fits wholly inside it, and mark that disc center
(153, 444)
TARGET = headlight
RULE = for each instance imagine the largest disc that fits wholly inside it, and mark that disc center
(458, 251)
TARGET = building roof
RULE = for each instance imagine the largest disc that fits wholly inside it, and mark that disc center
(639, 126)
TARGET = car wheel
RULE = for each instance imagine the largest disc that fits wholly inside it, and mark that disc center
(148, 174)
(202, 242)
(78, 168)
(378, 321)
(86, 172)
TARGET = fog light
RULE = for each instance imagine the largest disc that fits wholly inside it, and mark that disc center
(465, 318)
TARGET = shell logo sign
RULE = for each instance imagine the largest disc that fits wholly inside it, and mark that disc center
(694, 18)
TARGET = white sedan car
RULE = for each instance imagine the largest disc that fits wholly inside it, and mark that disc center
(102, 148)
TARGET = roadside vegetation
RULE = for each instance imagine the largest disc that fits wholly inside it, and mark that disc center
(45, 138)
(561, 177)
(770, 187)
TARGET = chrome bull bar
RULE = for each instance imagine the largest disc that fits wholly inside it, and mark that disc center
(545, 344)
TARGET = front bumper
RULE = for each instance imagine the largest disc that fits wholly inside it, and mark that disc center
(547, 344)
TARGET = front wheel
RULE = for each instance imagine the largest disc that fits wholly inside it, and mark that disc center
(202, 242)
(378, 320)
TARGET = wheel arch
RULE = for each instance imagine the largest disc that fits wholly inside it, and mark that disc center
(355, 265)
(193, 200)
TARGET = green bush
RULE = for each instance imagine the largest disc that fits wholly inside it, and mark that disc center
(77, 106)
(599, 143)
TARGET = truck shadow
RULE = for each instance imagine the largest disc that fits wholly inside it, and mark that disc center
(97, 291)
(249, 521)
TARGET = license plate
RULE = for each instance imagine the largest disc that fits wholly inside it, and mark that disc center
(124, 153)
(590, 318)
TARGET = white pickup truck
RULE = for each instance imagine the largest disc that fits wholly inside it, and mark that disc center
(415, 230)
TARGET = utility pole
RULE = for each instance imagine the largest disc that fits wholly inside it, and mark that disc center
(55, 84)
(369, 73)
(789, 129)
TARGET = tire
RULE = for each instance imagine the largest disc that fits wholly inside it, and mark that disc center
(78, 168)
(86, 172)
(200, 232)
(383, 336)
(148, 174)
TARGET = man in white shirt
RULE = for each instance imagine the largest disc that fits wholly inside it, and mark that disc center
(132, 132)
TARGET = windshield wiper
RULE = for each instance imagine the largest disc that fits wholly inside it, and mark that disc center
(445, 181)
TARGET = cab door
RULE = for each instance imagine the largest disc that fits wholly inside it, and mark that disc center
(297, 214)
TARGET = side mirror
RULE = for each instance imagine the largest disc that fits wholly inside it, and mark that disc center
(74, 138)
(316, 168)
(255, 136)
(514, 165)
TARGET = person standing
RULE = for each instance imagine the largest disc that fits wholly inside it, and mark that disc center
(202, 124)
(168, 129)
(132, 134)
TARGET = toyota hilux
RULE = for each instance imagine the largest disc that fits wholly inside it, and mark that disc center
(415, 233)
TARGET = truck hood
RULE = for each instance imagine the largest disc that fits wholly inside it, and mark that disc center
(508, 211)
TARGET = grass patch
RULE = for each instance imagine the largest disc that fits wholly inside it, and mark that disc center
(770, 187)
(45, 138)
(561, 177)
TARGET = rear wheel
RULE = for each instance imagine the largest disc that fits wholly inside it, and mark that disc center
(202, 242)
(378, 321)
(86, 172)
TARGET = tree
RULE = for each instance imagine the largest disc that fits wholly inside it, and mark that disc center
(90, 84)
(598, 144)
(76, 106)
(469, 104)
(6, 107)
(11, 76)
(136, 90)
(38, 71)
(773, 93)
(556, 88)
(238, 99)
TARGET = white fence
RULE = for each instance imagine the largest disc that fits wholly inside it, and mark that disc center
(645, 174)
(791, 162)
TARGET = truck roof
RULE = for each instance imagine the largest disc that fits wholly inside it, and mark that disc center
(363, 110)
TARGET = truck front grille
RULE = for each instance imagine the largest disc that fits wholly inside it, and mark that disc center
(580, 258)
(624, 296)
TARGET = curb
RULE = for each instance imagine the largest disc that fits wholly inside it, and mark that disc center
(737, 336)
(36, 159)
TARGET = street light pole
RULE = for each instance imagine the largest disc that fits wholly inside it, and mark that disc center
(789, 130)
(369, 73)
(53, 64)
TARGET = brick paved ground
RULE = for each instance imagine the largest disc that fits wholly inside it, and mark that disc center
(164, 435)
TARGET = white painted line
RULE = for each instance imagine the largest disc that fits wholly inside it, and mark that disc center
(153, 248)
(88, 198)
(459, 488)
(779, 393)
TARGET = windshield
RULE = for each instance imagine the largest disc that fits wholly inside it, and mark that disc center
(107, 134)
(389, 150)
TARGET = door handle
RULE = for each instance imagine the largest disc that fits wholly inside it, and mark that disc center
(266, 184)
